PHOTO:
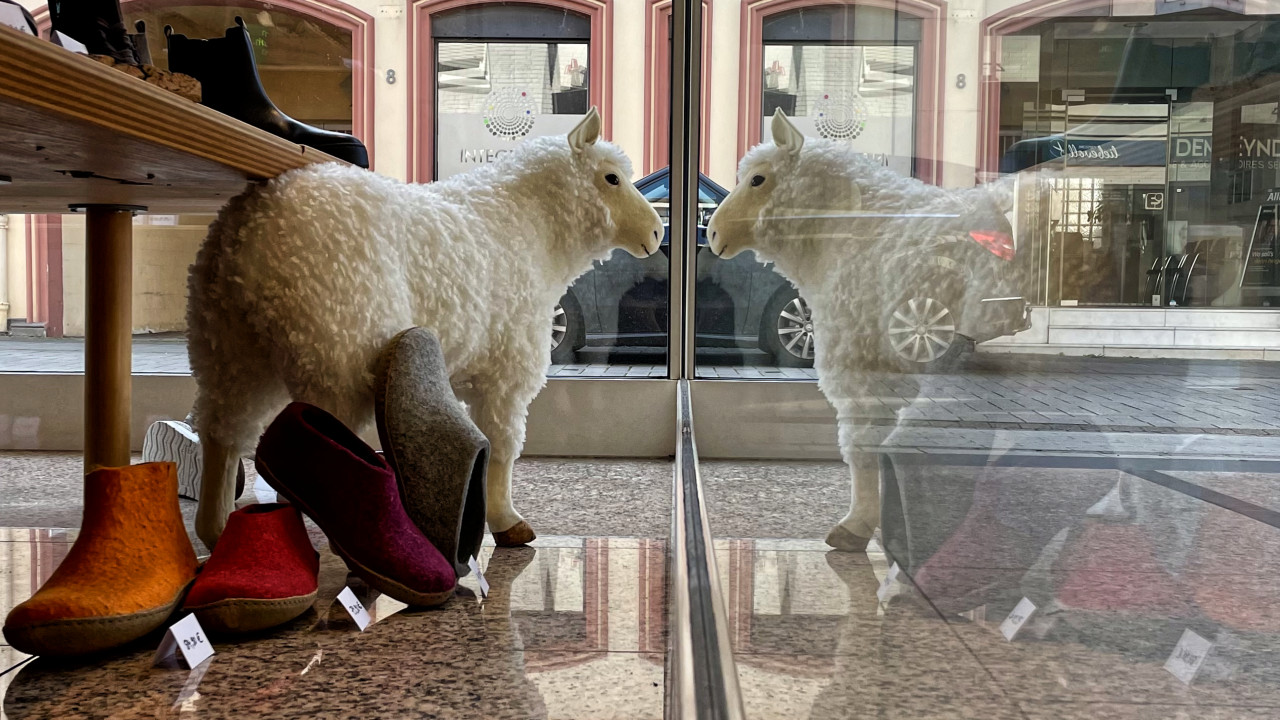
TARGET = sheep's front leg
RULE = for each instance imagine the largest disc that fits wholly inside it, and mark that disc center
(501, 417)
(217, 490)
(853, 532)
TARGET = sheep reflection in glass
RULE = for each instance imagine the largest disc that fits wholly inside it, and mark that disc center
(887, 266)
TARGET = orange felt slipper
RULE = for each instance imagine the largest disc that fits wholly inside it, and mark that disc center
(125, 574)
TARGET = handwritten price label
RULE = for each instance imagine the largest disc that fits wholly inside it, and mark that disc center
(883, 593)
(1021, 614)
(354, 608)
(1188, 655)
(187, 637)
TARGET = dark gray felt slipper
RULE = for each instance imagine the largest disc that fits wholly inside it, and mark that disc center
(439, 456)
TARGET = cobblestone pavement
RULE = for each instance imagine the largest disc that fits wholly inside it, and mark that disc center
(1011, 392)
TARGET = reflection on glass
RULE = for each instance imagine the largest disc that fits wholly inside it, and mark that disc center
(491, 95)
(895, 272)
(861, 95)
(1149, 147)
(306, 66)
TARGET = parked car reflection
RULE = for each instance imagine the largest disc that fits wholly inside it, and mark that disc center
(742, 303)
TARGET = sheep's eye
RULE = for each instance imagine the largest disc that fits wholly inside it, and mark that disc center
(612, 179)
(757, 181)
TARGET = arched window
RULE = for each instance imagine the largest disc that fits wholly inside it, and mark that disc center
(866, 73)
(488, 75)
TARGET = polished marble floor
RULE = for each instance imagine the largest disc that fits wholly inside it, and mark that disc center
(1121, 561)
(1119, 565)
(572, 627)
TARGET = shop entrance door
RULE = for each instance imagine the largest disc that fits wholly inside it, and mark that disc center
(1108, 227)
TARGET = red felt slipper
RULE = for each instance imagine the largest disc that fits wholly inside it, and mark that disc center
(261, 574)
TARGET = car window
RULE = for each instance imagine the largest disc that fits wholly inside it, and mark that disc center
(660, 191)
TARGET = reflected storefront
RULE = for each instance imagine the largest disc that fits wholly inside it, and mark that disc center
(1143, 148)
(504, 74)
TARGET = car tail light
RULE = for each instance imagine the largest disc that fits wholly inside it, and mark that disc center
(1000, 244)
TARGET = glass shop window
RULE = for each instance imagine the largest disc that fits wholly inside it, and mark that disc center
(306, 68)
(845, 74)
(1174, 122)
(493, 92)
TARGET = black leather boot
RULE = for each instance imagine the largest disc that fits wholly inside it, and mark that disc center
(229, 83)
(140, 46)
(98, 25)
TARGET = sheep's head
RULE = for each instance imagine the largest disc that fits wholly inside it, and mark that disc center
(632, 223)
(781, 194)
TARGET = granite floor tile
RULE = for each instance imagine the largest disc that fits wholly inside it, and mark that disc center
(757, 499)
(1020, 517)
(608, 497)
(565, 632)
(10, 662)
(1261, 489)
(1108, 641)
(1141, 711)
(342, 681)
(791, 687)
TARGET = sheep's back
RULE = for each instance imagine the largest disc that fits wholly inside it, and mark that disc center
(331, 256)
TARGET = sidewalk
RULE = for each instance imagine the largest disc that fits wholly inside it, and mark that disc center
(160, 354)
(1001, 392)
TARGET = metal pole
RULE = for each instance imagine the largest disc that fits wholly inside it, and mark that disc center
(686, 114)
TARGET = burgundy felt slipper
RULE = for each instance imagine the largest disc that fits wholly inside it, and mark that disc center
(350, 491)
(261, 574)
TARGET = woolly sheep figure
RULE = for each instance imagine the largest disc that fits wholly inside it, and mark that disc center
(792, 206)
(303, 279)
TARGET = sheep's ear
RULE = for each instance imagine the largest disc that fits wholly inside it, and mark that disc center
(587, 132)
(785, 135)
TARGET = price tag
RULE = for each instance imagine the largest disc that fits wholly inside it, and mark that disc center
(475, 568)
(1022, 612)
(187, 637)
(354, 608)
(11, 16)
(1188, 655)
(889, 578)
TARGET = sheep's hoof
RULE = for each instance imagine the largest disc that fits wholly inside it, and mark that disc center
(845, 541)
(515, 536)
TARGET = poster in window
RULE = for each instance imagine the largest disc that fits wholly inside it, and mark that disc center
(1260, 268)
(862, 96)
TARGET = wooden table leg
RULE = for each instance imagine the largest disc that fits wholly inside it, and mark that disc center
(108, 335)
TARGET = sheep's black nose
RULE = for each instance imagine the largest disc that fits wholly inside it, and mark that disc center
(655, 234)
(713, 234)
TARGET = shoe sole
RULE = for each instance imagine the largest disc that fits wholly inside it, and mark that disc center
(176, 442)
(168, 441)
(82, 636)
(246, 615)
(382, 584)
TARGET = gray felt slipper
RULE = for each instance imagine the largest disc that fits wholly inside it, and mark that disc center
(439, 456)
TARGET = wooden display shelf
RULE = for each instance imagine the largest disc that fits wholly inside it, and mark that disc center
(74, 132)
(79, 132)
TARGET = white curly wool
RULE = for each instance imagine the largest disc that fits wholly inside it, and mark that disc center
(303, 279)
(792, 206)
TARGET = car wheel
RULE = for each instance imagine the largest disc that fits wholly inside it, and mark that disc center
(786, 329)
(920, 327)
(567, 331)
